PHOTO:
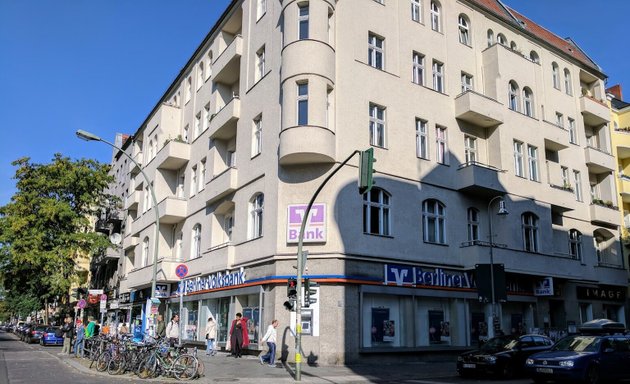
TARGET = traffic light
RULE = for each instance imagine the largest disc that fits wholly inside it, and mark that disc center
(309, 293)
(292, 288)
(366, 170)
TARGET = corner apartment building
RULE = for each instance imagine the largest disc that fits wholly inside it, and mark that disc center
(463, 102)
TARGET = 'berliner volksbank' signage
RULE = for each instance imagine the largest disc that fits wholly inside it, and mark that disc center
(406, 275)
(216, 280)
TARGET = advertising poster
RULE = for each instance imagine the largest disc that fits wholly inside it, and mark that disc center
(436, 326)
(379, 317)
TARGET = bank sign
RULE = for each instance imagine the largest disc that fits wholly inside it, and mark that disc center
(406, 275)
(315, 230)
(214, 281)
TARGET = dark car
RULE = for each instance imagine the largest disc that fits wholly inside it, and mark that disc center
(600, 352)
(25, 330)
(502, 356)
(35, 333)
(49, 337)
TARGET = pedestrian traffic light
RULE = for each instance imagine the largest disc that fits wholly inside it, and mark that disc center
(366, 170)
(289, 305)
(309, 292)
(292, 288)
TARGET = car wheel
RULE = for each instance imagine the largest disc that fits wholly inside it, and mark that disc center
(592, 375)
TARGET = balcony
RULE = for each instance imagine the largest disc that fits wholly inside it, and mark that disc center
(217, 258)
(221, 185)
(133, 200)
(478, 109)
(174, 155)
(130, 242)
(594, 112)
(134, 168)
(172, 210)
(223, 123)
(599, 161)
(605, 215)
(624, 186)
(226, 67)
(307, 144)
(109, 254)
(477, 178)
(556, 137)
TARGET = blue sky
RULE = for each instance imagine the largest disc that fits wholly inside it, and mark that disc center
(101, 65)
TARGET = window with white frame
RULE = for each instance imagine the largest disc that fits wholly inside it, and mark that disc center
(181, 182)
(433, 222)
(441, 154)
(513, 96)
(202, 174)
(518, 159)
(501, 39)
(188, 93)
(559, 120)
(302, 103)
(566, 181)
(422, 139)
(145, 252)
(555, 75)
(205, 123)
(197, 130)
(193, 180)
(467, 82)
(376, 51)
(303, 21)
(470, 149)
(572, 132)
(529, 223)
(473, 225)
(376, 211)
(438, 76)
(195, 244)
(257, 136)
(147, 199)
(377, 125)
(577, 181)
(155, 145)
(568, 88)
(528, 102)
(260, 63)
(575, 244)
(490, 37)
(179, 245)
(209, 67)
(416, 10)
(185, 134)
(228, 226)
(256, 206)
(200, 74)
(436, 21)
(464, 29)
(417, 75)
(513, 45)
(150, 151)
(532, 161)
(230, 158)
(261, 8)
(533, 56)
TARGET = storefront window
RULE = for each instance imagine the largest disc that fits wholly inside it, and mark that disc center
(251, 312)
(388, 321)
(223, 321)
(434, 322)
(208, 308)
(189, 319)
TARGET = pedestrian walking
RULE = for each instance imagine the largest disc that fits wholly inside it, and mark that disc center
(239, 338)
(172, 330)
(161, 327)
(270, 338)
(68, 333)
(78, 343)
(211, 335)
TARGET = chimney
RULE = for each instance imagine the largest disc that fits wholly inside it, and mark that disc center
(615, 90)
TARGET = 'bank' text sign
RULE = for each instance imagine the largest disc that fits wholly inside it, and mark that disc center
(315, 230)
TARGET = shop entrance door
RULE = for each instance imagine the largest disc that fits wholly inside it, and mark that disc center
(223, 313)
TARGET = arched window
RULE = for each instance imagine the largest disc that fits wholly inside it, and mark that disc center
(490, 37)
(513, 45)
(145, 252)
(464, 29)
(376, 211)
(501, 39)
(529, 223)
(433, 222)
(575, 244)
(195, 244)
(555, 75)
(533, 56)
(473, 225)
(513, 96)
(436, 22)
(568, 88)
(256, 206)
(528, 102)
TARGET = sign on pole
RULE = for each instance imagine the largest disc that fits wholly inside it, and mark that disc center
(181, 271)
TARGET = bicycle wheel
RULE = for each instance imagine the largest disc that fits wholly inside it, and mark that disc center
(103, 361)
(116, 364)
(185, 367)
(147, 368)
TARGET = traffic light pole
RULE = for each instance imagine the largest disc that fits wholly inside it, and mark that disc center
(301, 263)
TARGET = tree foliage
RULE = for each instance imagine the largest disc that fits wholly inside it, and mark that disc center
(48, 225)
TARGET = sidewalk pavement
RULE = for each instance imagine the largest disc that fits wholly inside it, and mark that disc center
(224, 368)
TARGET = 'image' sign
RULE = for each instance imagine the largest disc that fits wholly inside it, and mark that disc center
(315, 230)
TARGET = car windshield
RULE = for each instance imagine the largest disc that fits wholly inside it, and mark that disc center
(497, 344)
(578, 344)
(41, 329)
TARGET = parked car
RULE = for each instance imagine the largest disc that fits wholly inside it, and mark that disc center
(35, 333)
(49, 337)
(502, 356)
(600, 352)
(26, 328)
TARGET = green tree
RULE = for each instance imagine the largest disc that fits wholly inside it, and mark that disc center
(48, 225)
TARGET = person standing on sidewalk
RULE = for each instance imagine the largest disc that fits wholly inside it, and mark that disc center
(78, 343)
(270, 338)
(89, 330)
(68, 331)
(172, 330)
(239, 338)
(161, 327)
(211, 335)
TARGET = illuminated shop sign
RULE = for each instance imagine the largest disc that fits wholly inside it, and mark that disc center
(216, 280)
(406, 275)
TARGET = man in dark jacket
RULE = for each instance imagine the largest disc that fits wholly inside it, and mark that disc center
(68, 334)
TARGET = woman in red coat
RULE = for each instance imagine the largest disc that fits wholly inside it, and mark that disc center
(239, 337)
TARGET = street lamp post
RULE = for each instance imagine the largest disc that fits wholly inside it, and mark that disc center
(87, 136)
(502, 211)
